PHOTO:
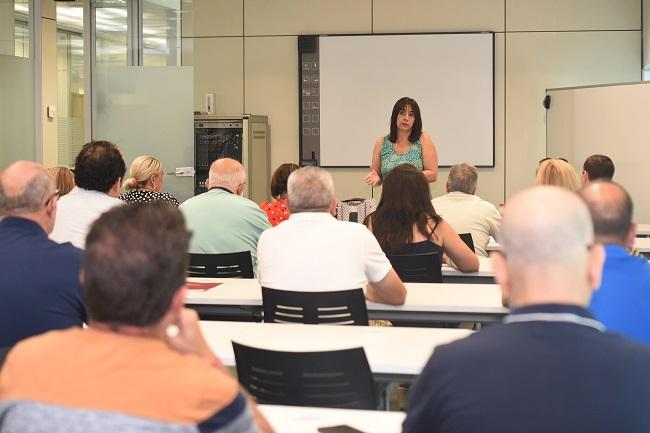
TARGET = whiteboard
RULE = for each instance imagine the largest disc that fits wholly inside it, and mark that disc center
(613, 120)
(451, 76)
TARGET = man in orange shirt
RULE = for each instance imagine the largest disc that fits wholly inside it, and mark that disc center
(143, 364)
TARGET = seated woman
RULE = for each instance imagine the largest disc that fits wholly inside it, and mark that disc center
(277, 211)
(146, 182)
(63, 179)
(406, 223)
(558, 172)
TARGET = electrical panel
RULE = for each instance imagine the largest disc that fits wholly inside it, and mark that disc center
(243, 138)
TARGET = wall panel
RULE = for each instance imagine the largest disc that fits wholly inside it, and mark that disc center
(203, 18)
(272, 89)
(219, 69)
(558, 15)
(294, 17)
(438, 15)
(538, 61)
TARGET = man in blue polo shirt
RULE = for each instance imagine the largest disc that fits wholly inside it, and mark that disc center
(622, 303)
(549, 367)
(39, 288)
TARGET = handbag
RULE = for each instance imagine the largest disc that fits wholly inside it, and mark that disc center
(355, 209)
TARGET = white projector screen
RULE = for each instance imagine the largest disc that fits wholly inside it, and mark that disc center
(451, 76)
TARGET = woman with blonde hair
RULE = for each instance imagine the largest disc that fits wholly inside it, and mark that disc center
(558, 172)
(146, 182)
(63, 179)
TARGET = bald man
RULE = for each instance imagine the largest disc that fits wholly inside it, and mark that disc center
(622, 303)
(39, 285)
(549, 367)
(222, 220)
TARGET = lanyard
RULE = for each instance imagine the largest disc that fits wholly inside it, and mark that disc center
(555, 317)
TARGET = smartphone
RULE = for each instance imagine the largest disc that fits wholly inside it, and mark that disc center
(339, 429)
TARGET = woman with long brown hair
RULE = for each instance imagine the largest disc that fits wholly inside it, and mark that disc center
(405, 221)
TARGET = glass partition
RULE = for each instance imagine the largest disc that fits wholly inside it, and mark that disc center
(70, 83)
(21, 28)
(17, 138)
(112, 32)
(161, 32)
(148, 111)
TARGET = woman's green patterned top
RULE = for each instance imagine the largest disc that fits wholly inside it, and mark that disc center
(391, 159)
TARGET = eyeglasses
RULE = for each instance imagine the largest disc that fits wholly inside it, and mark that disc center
(56, 194)
(548, 157)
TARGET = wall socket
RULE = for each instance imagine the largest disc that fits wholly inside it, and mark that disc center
(209, 103)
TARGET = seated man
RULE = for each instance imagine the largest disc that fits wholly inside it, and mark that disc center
(39, 287)
(466, 212)
(143, 364)
(222, 220)
(597, 167)
(313, 251)
(622, 302)
(99, 169)
(549, 367)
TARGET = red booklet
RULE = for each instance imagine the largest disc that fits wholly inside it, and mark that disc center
(193, 285)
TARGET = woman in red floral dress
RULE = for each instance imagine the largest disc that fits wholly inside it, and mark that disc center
(277, 211)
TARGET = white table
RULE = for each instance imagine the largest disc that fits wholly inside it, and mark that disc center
(484, 274)
(241, 299)
(642, 245)
(295, 419)
(394, 354)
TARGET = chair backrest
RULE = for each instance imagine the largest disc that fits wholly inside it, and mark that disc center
(341, 307)
(417, 268)
(228, 265)
(469, 241)
(339, 378)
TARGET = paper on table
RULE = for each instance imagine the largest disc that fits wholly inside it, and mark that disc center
(193, 285)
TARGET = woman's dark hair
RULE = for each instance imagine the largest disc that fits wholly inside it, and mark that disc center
(416, 131)
(98, 166)
(280, 177)
(405, 201)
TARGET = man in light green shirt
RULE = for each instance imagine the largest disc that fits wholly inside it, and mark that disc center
(222, 220)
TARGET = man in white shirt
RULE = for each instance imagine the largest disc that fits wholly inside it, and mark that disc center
(99, 169)
(313, 251)
(466, 212)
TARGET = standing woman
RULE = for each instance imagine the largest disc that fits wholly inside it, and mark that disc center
(146, 182)
(406, 143)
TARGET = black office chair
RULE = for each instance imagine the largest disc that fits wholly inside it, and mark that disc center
(469, 241)
(4, 351)
(338, 378)
(340, 307)
(228, 265)
(417, 268)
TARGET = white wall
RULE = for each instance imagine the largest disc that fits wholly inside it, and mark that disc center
(245, 51)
